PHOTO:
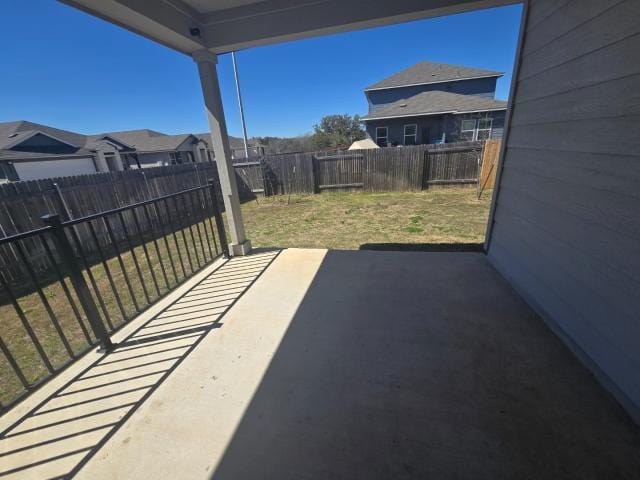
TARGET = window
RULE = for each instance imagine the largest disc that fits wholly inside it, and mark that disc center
(484, 128)
(473, 129)
(175, 158)
(468, 130)
(382, 136)
(410, 134)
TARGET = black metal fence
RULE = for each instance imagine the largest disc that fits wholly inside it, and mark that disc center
(85, 292)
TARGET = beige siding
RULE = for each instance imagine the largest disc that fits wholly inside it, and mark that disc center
(566, 225)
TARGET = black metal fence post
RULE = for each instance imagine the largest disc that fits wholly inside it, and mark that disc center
(78, 281)
(218, 216)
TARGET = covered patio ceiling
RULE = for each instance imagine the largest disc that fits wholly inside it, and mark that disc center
(225, 25)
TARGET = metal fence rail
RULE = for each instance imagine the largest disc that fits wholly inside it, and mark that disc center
(90, 289)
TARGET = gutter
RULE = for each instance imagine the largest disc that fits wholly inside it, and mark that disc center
(452, 112)
(19, 159)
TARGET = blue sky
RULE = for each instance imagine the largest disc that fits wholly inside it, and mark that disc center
(67, 69)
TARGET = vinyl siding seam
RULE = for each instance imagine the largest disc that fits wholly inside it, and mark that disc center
(533, 26)
(568, 181)
(579, 57)
(575, 89)
(573, 120)
(628, 236)
(587, 254)
(572, 29)
(559, 150)
(585, 54)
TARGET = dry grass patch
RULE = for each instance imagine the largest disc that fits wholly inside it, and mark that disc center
(349, 220)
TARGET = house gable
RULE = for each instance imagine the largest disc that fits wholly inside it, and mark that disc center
(39, 142)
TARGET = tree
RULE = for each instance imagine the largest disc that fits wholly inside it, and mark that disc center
(300, 143)
(337, 131)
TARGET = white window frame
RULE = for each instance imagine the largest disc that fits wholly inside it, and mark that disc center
(476, 127)
(489, 130)
(414, 134)
(473, 130)
(385, 136)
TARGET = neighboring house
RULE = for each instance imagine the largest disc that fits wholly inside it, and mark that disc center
(434, 103)
(30, 151)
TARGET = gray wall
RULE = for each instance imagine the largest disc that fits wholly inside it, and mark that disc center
(567, 215)
(436, 125)
(59, 167)
(482, 87)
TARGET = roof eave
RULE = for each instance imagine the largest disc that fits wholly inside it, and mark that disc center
(496, 75)
(430, 114)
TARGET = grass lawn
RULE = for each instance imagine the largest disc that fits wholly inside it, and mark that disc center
(175, 251)
(349, 220)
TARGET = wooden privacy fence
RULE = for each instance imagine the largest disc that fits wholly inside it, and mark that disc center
(489, 164)
(375, 170)
(22, 204)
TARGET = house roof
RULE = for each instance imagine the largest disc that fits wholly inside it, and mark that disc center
(130, 137)
(429, 72)
(160, 143)
(235, 143)
(434, 103)
(22, 129)
(144, 140)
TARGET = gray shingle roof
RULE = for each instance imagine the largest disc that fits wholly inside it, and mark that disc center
(143, 140)
(159, 143)
(235, 143)
(132, 136)
(436, 102)
(24, 128)
(429, 72)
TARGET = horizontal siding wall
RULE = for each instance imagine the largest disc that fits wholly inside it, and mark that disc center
(566, 225)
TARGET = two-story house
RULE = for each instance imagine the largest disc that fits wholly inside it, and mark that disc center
(434, 103)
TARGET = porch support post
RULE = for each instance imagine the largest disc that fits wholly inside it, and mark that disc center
(118, 161)
(220, 143)
(101, 162)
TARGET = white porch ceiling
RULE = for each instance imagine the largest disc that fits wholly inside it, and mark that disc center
(226, 25)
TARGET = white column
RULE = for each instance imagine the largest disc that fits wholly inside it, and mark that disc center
(220, 143)
(196, 153)
(118, 161)
(101, 162)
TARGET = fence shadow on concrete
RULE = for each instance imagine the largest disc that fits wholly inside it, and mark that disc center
(57, 437)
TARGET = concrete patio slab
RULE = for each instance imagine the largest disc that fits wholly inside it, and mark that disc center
(341, 365)
(54, 432)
